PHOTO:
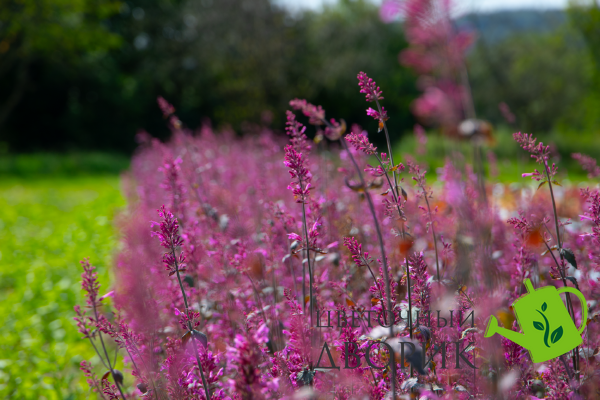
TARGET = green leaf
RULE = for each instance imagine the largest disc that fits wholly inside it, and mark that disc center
(542, 184)
(538, 325)
(556, 183)
(556, 335)
(544, 306)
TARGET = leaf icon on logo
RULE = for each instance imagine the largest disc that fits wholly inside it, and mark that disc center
(544, 306)
(540, 327)
(556, 335)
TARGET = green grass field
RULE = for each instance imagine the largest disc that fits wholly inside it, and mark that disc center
(46, 226)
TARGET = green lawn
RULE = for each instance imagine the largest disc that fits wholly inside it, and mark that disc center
(46, 226)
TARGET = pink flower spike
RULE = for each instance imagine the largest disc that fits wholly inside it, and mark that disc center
(361, 142)
(369, 87)
(294, 236)
(166, 108)
(376, 115)
(109, 294)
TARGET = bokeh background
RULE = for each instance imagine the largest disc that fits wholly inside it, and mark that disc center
(79, 79)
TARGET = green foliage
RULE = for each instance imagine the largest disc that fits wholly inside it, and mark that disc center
(62, 165)
(55, 28)
(236, 62)
(542, 77)
(46, 227)
(347, 38)
(585, 17)
(510, 161)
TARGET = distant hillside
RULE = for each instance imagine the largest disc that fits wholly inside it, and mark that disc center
(496, 26)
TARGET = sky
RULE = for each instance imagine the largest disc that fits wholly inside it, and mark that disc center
(462, 5)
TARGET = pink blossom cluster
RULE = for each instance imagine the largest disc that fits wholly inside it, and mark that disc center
(352, 281)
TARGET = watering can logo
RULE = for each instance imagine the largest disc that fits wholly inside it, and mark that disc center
(548, 330)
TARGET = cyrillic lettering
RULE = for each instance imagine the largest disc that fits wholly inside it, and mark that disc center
(391, 360)
(326, 348)
(352, 323)
(354, 354)
(369, 316)
(472, 319)
(328, 319)
(460, 354)
(438, 320)
(345, 319)
(390, 316)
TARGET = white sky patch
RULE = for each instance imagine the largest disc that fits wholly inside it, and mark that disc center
(463, 6)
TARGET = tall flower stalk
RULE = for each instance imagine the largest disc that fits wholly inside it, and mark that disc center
(91, 286)
(420, 180)
(374, 93)
(171, 239)
(541, 154)
(295, 160)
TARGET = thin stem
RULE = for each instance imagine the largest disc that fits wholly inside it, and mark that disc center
(391, 155)
(379, 236)
(258, 301)
(576, 350)
(98, 353)
(292, 271)
(112, 372)
(382, 249)
(115, 358)
(378, 288)
(437, 263)
(310, 275)
(389, 145)
(137, 351)
(187, 314)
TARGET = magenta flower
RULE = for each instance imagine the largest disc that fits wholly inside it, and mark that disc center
(506, 113)
(369, 87)
(166, 108)
(169, 238)
(361, 142)
(300, 186)
(256, 272)
(588, 163)
(360, 259)
(316, 114)
(296, 130)
(376, 115)
(538, 151)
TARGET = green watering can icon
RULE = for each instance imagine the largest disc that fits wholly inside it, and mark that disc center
(548, 330)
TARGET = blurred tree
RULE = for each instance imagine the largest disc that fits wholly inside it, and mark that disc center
(585, 17)
(55, 31)
(349, 37)
(233, 61)
(542, 77)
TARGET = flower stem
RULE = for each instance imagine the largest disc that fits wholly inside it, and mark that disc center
(382, 249)
(187, 314)
(575, 354)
